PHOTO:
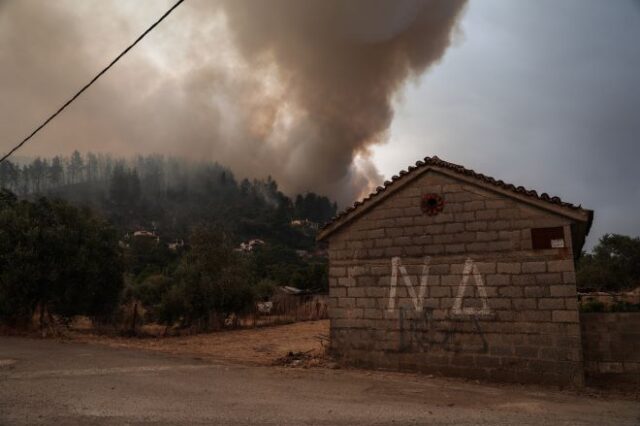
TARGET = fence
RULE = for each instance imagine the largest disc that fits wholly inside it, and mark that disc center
(284, 309)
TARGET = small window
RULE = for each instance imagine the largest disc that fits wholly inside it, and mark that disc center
(546, 238)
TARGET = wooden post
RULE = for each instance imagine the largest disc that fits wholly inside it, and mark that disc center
(134, 319)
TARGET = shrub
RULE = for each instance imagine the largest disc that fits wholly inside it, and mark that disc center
(614, 264)
(211, 283)
(620, 306)
(592, 306)
(264, 289)
(58, 258)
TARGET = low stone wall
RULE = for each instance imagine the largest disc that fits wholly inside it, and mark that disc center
(611, 347)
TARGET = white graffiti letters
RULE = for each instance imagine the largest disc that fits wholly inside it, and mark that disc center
(417, 299)
(469, 270)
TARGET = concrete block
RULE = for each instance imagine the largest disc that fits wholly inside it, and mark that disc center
(454, 248)
(498, 279)
(549, 278)
(565, 316)
(478, 247)
(439, 291)
(476, 226)
(563, 291)
(443, 239)
(356, 292)
(534, 316)
(376, 233)
(404, 221)
(486, 235)
(509, 268)
(524, 280)
(474, 205)
(551, 303)
(464, 237)
(451, 228)
(534, 267)
(522, 304)
(510, 291)
(468, 216)
(452, 187)
(337, 271)
(434, 229)
(486, 215)
(365, 302)
(500, 245)
(560, 265)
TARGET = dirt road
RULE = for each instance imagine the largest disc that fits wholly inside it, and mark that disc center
(259, 346)
(49, 382)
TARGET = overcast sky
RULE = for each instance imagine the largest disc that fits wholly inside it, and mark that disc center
(539, 93)
(543, 94)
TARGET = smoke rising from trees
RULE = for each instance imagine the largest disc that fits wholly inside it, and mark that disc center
(298, 90)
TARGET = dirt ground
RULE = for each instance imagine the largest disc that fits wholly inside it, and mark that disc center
(301, 344)
(54, 381)
(258, 346)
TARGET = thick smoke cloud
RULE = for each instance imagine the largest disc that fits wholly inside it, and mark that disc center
(298, 90)
(341, 63)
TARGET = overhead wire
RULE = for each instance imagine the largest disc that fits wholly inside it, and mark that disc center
(93, 80)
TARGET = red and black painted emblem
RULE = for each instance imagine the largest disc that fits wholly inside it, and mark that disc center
(432, 204)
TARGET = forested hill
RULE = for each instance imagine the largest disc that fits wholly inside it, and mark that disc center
(170, 195)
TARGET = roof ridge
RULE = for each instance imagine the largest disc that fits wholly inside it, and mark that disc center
(437, 162)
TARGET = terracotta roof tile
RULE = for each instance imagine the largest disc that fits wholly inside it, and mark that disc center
(437, 162)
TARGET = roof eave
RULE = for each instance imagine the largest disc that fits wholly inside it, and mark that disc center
(574, 213)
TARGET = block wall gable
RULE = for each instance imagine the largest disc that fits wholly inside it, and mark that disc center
(459, 293)
(474, 220)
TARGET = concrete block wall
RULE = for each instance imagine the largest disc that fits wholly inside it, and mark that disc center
(460, 293)
(611, 344)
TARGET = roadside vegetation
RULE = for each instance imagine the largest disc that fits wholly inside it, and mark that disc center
(180, 244)
(56, 260)
(613, 265)
(149, 239)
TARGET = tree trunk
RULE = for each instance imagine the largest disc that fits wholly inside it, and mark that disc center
(134, 319)
(42, 318)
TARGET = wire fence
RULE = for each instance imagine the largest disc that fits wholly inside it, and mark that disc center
(282, 310)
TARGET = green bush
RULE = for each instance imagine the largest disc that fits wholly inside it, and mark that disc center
(614, 264)
(150, 292)
(264, 289)
(212, 282)
(58, 258)
(620, 306)
(172, 307)
(592, 306)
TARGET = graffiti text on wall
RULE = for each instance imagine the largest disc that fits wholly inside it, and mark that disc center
(470, 270)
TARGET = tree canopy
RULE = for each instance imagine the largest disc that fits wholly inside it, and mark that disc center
(613, 265)
(169, 195)
(57, 257)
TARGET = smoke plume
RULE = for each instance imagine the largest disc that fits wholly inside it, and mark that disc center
(296, 89)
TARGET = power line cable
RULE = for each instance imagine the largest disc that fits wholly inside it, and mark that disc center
(86, 86)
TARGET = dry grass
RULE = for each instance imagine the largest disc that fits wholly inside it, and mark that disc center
(259, 346)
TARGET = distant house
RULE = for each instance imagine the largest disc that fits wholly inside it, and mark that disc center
(146, 236)
(176, 245)
(304, 223)
(305, 302)
(250, 245)
(450, 271)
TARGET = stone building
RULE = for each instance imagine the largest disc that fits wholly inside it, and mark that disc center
(445, 270)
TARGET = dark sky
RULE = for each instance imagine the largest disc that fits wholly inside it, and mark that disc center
(539, 93)
(542, 94)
